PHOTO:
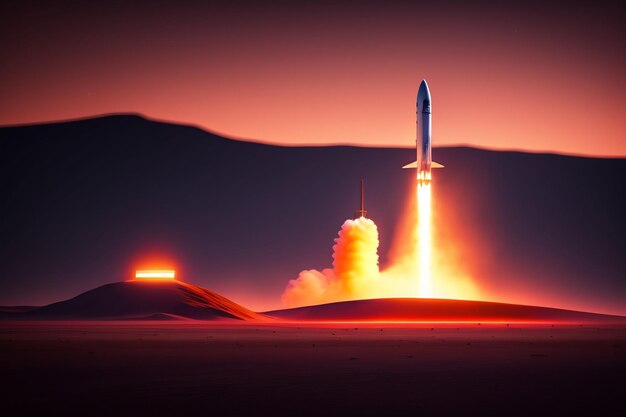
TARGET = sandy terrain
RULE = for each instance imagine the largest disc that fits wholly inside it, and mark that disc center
(437, 310)
(221, 369)
(146, 299)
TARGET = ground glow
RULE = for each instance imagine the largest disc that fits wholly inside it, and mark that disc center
(419, 265)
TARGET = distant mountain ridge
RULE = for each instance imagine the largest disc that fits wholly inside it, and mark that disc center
(83, 200)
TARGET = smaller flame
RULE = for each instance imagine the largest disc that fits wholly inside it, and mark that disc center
(423, 176)
(155, 274)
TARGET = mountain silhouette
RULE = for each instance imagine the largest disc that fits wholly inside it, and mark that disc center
(83, 200)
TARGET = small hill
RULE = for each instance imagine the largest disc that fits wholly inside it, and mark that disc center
(142, 300)
(434, 310)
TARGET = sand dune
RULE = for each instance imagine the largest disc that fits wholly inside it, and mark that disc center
(413, 309)
(143, 301)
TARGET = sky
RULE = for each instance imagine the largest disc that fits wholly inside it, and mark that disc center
(533, 76)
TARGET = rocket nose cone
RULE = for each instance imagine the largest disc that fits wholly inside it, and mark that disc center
(423, 97)
(423, 92)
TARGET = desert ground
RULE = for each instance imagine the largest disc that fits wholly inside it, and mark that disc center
(314, 369)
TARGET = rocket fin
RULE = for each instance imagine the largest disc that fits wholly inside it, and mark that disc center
(432, 165)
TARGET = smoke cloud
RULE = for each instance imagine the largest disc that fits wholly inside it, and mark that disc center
(355, 268)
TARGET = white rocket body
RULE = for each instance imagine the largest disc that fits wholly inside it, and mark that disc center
(423, 135)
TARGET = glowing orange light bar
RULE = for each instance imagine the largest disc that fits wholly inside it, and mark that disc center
(156, 274)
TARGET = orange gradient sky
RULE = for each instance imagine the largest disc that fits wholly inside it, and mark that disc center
(530, 77)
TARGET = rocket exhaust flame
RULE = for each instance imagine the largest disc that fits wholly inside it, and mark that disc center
(424, 239)
(423, 177)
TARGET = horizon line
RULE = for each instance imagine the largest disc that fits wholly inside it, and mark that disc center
(269, 142)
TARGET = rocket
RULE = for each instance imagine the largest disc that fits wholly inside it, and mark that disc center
(423, 143)
(361, 212)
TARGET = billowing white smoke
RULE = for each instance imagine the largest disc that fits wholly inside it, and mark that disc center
(355, 269)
